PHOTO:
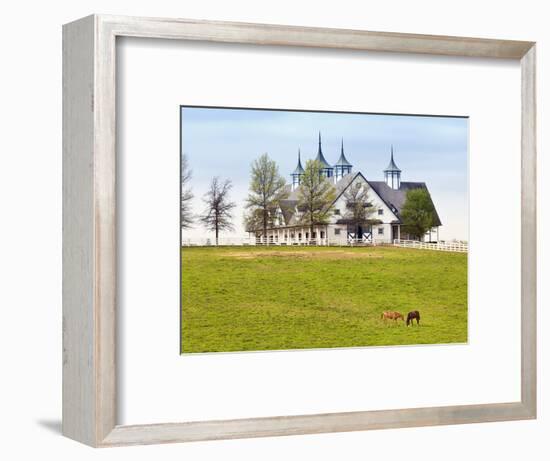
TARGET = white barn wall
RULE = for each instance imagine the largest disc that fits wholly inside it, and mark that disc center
(387, 218)
(378, 204)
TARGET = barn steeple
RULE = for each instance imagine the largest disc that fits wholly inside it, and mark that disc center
(297, 173)
(326, 170)
(342, 166)
(392, 174)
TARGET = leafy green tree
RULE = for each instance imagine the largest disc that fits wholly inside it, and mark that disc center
(254, 222)
(218, 213)
(316, 196)
(267, 188)
(418, 213)
(186, 194)
(359, 209)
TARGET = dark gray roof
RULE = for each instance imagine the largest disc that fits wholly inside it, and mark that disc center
(288, 210)
(342, 161)
(392, 166)
(395, 198)
(343, 183)
(340, 186)
(320, 157)
(299, 169)
(288, 206)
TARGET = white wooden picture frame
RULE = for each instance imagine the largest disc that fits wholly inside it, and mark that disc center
(89, 230)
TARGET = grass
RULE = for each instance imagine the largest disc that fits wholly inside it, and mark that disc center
(270, 298)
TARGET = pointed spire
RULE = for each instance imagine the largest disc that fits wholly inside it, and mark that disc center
(392, 166)
(320, 157)
(299, 169)
(342, 161)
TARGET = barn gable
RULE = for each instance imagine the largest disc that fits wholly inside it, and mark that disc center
(378, 202)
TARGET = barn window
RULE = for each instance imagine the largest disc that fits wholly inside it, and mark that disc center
(336, 231)
(337, 212)
(380, 212)
(380, 231)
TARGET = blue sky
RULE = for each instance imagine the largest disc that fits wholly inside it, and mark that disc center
(224, 142)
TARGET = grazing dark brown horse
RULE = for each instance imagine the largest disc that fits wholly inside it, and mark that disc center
(392, 315)
(413, 315)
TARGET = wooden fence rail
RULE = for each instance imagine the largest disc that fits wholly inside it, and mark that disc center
(461, 247)
(237, 241)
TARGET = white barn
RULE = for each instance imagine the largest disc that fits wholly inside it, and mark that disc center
(386, 197)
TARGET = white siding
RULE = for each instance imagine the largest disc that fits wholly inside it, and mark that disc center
(385, 237)
(378, 204)
(340, 238)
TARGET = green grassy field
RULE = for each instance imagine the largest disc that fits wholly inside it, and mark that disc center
(269, 298)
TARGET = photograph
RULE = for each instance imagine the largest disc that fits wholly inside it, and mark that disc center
(304, 229)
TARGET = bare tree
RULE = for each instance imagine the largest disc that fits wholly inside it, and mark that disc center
(267, 188)
(316, 196)
(358, 207)
(218, 213)
(186, 219)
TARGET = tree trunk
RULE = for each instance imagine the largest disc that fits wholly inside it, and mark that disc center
(265, 224)
(217, 231)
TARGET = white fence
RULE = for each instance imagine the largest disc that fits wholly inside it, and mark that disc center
(222, 241)
(245, 241)
(461, 247)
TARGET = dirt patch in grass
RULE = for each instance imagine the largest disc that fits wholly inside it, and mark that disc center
(266, 254)
(327, 254)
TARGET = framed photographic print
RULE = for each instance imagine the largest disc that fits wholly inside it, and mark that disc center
(329, 257)
(275, 230)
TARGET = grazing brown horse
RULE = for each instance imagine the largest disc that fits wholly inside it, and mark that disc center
(413, 315)
(392, 315)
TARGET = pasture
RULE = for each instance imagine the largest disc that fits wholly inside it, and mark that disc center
(271, 298)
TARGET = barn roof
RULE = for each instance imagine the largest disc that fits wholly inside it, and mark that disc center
(320, 157)
(342, 161)
(395, 198)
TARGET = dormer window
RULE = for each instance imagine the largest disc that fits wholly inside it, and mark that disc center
(380, 212)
